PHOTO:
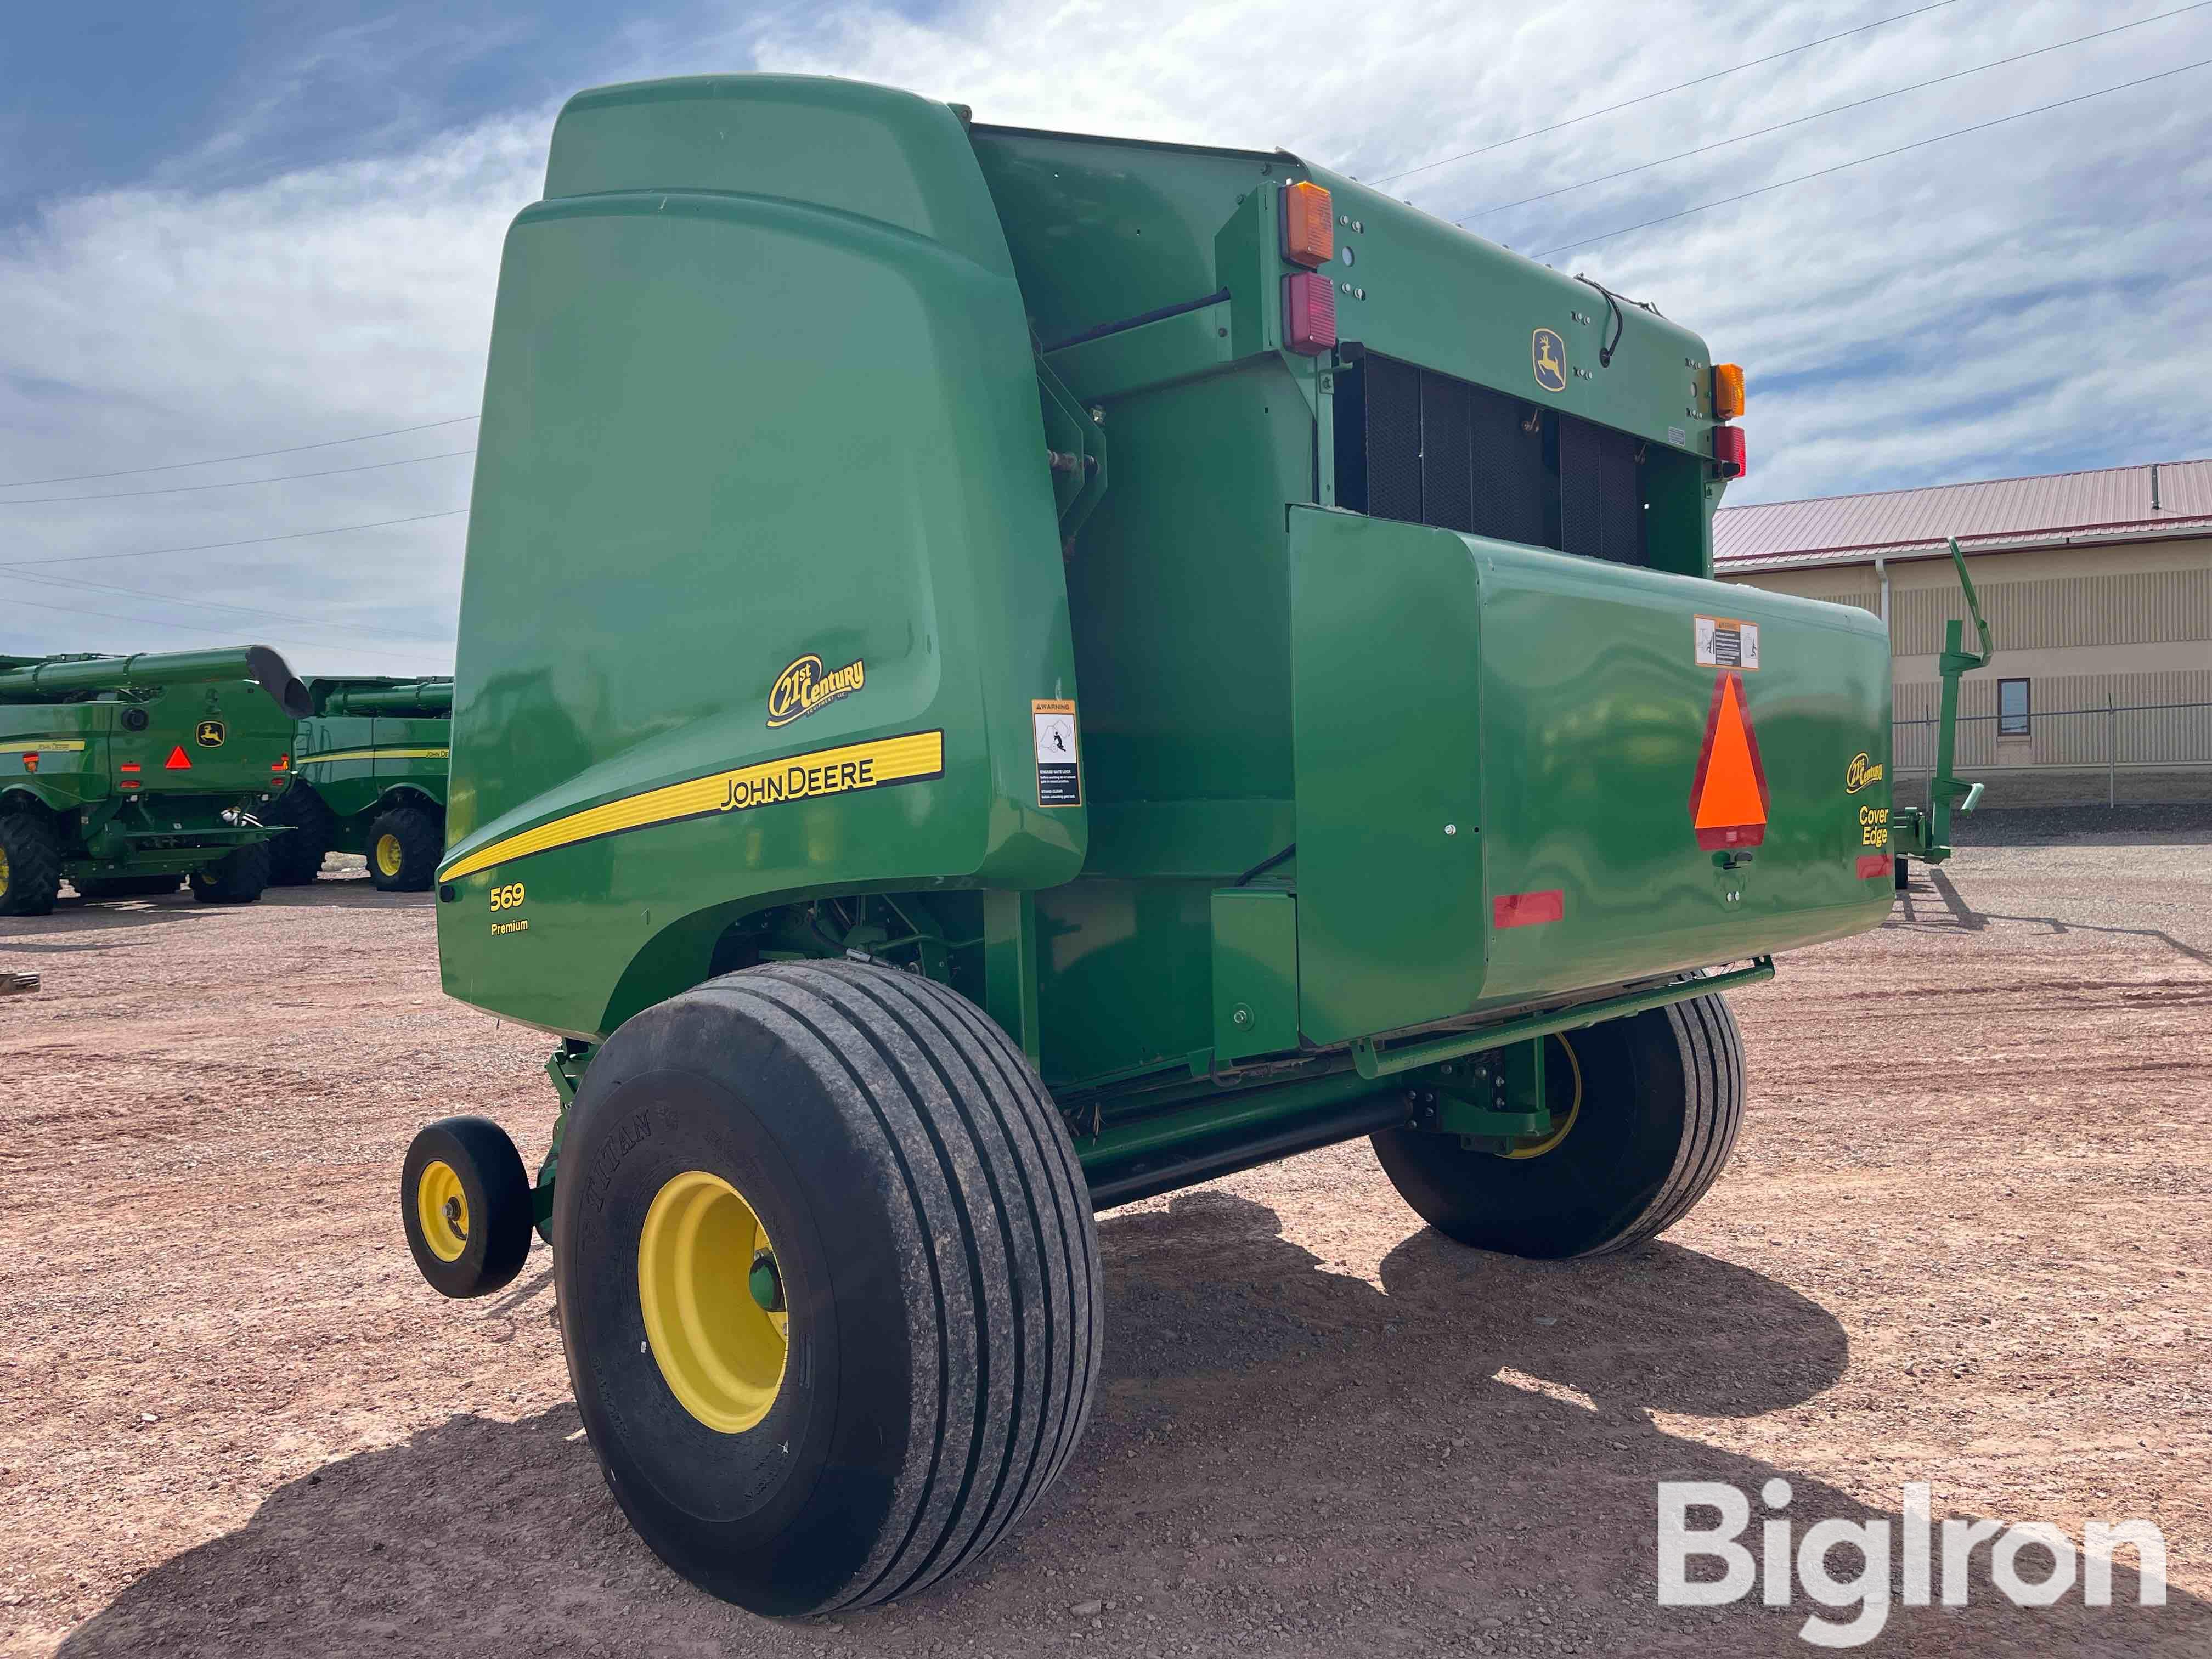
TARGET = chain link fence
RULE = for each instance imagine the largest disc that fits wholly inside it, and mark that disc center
(2134, 736)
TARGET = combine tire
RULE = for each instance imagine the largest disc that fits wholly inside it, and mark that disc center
(115, 887)
(30, 864)
(828, 1283)
(403, 845)
(1646, 1111)
(465, 1203)
(236, 877)
(295, 858)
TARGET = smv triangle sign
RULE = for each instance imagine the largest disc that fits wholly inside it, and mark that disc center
(1727, 798)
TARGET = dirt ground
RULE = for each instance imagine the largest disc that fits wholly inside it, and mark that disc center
(1963, 1241)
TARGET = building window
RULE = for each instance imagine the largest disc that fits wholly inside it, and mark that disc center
(2012, 708)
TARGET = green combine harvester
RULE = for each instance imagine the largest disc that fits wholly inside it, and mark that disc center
(128, 775)
(1004, 673)
(369, 765)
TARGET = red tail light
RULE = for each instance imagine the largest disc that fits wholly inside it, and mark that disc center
(1309, 314)
(128, 766)
(1728, 451)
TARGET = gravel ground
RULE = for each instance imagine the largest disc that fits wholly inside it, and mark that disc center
(1962, 1241)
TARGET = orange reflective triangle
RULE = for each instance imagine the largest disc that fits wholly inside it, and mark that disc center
(178, 761)
(1728, 799)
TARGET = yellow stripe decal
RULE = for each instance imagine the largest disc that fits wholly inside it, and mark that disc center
(72, 744)
(907, 759)
(373, 754)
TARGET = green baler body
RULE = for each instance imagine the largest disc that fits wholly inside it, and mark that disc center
(774, 370)
(147, 801)
(361, 765)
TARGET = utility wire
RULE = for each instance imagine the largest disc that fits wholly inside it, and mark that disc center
(1645, 98)
(207, 604)
(200, 628)
(240, 483)
(259, 454)
(249, 541)
(1840, 167)
(1856, 103)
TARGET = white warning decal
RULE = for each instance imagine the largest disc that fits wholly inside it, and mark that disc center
(1724, 643)
(1060, 764)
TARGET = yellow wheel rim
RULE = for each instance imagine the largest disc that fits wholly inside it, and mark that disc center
(4, 874)
(442, 1209)
(388, 854)
(1566, 1124)
(720, 1351)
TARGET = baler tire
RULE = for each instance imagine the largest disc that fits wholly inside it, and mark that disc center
(115, 887)
(1660, 1103)
(237, 878)
(471, 1161)
(295, 858)
(30, 864)
(403, 845)
(934, 1255)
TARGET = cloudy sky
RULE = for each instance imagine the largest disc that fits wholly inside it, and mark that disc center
(262, 225)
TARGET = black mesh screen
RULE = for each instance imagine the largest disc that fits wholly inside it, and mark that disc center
(1428, 448)
(1600, 493)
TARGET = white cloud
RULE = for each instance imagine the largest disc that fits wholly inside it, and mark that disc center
(2026, 298)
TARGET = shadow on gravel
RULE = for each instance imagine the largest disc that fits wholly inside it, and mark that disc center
(1283, 1459)
(74, 916)
(1915, 913)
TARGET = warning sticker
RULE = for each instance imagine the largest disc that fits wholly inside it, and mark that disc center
(1060, 764)
(1724, 643)
(1728, 797)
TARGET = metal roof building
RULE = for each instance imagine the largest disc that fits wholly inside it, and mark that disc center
(2099, 590)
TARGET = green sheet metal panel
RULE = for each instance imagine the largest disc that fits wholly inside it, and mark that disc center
(1387, 706)
(1255, 971)
(724, 432)
(1557, 704)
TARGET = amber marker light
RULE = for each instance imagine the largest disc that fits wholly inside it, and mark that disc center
(1308, 226)
(1728, 391)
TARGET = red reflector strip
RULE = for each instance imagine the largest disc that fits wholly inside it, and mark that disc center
(128, 766)
(1527, 909)
(1309, 314)
(282, 761)
(129, 784)
(1874, 864)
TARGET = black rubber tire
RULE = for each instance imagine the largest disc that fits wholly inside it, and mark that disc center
(1904, 873)
(1662, 1101)
(115, 887)
(421, 837)
(237, 878)
(33, 853)
(496, 1190)
(295, 858)
(938, 1259)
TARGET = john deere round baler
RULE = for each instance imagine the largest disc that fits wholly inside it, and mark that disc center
(1004, 673)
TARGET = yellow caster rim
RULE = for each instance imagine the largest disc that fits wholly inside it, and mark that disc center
(1566, 1123)
(713, 1299)
(3, 875)
(389, 856)
(442, 1210)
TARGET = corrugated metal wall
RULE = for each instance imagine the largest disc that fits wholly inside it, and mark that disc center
(2140, 608)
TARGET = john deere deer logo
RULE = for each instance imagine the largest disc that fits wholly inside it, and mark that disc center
(803, 688)
(1549, 354)
(209, 734)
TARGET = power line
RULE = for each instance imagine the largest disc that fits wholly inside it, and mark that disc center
(240, 483)
(197, 628)
(1840, 167)
(1538, 132)
(1856, 103)
(249, 541)
(204, 605)
(259, 454)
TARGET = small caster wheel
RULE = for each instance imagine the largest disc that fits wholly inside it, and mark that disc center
(466, 1204)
